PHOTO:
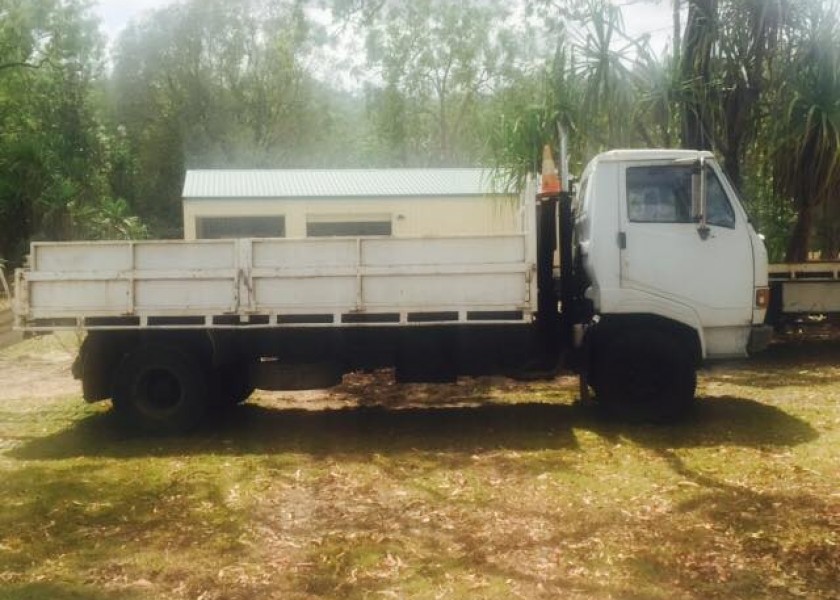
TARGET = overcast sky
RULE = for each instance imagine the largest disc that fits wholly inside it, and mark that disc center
(640, 16)
(116, 14)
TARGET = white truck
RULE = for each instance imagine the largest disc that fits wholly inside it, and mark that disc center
(660, 269)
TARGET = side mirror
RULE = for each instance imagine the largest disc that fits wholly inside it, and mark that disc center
(698, 197)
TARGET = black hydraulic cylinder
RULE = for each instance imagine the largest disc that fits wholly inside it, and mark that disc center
(546, 245)
(567, 275)
(547, 315)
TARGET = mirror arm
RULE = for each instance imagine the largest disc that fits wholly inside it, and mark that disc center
(702, 226)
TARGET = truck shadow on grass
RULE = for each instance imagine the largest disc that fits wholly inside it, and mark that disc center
(461, 430)
(343, 512)
(790, 361)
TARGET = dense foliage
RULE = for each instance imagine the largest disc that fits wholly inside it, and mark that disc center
(94, 142)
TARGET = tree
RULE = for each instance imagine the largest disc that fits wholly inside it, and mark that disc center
(53, 160)
(806, 155)
(604, 59)
(695, 66)
(214, 84)
(530, 112)
(729, 56)
(438, 61)
(597, 87)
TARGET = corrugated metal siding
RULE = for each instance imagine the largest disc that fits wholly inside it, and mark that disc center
(324, 183)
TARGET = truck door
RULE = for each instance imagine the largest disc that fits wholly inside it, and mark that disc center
(666, 255)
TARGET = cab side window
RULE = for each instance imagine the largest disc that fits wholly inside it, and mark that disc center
(718, 209)
(659, 194)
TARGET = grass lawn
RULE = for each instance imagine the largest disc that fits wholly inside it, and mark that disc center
(486, 489)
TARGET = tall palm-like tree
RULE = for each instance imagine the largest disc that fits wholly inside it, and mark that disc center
(696, 73)
(590, 89)
(728, 61)
(655, 110)
(806, 156)
(531, 113)
(605, 55)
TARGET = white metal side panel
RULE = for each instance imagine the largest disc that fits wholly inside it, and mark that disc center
(185, 256)
(811, 297)
(79, 257)
(186, 277)
(439, 292)
(443, 251)
(312, 253)
(132, 278)
(808, 288)
(208, 278)
(187, 296)
(305, 294)
(54, 298)
(389, 274)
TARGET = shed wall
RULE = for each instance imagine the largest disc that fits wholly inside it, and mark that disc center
(411, 216)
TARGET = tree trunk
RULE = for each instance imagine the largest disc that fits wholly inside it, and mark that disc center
(732, 159)
(695, 69)
(797, 250)
(831, 243)
(444, 131)
(677, 41)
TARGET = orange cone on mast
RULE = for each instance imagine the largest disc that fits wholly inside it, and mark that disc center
(550, 182)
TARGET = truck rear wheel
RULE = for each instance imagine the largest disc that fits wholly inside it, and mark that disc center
(160, 389)
(646, 376)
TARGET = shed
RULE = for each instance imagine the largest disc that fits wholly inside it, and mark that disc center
(323, 202)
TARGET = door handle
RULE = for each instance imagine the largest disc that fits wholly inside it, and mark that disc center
(622, 240)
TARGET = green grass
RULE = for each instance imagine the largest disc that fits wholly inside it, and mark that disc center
(480, 490)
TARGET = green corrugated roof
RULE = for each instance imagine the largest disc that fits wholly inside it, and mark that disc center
(331, 183)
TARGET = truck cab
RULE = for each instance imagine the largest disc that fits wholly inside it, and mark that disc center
(668, 253)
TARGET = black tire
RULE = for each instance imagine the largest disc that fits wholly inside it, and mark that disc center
(233, 384)
(161, 389)
(644, 376)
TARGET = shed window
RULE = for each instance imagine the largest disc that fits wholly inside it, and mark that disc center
(348, 225)
(240, 227)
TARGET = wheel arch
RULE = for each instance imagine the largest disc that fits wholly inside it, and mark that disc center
(102, 353)
(644, 368)
(608, 326)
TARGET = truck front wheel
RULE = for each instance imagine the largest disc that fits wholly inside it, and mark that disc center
(160, 389)
(646, 376)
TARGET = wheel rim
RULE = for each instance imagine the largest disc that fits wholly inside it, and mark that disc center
(158, 391)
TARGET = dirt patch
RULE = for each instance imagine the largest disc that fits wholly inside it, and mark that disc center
(38, 367)
(7, 336)
(44, 377)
